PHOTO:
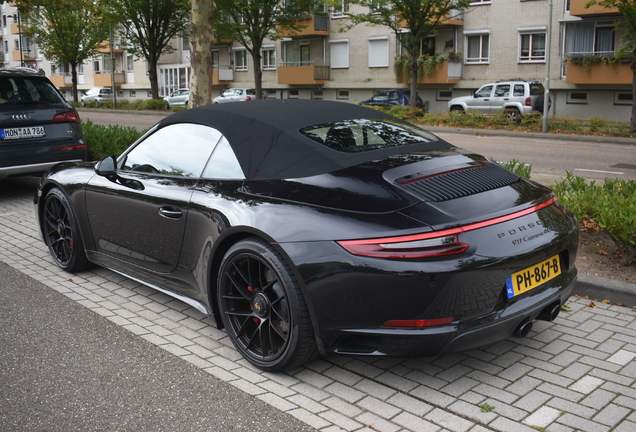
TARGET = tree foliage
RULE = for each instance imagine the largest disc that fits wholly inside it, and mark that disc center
(150, 25)
(250, 22)
(419, 18)
(67, 31)
(627, 27)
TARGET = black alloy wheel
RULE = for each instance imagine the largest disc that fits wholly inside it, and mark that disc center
(263, 309)
(513, 115)
(61, 233)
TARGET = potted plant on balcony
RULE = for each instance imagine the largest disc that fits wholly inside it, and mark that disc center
(401, 66)
(427, 64)
(454, 57)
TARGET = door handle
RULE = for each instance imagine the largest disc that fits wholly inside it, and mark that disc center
(170, 212)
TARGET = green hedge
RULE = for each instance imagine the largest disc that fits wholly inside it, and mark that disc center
(108, 140)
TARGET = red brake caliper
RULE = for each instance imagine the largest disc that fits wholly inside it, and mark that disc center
(255, 319)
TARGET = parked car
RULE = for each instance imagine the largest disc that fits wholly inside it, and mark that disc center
(178, 98)
(515, 97)
(236, 95)
(307, 227)
(38, 127)
(393, 97)
(97, 94)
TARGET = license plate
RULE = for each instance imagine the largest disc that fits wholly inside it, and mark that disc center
(23, 132)
(531, 277)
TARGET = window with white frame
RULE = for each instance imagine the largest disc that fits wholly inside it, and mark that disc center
(444, 95)
(340, 9)
(339, 54)
(478, 2)
(379, 52)
(269, 58)
(293, 94)
(240, 60)
(342, 94)
(478, 47)
(133, 93)
(621, 98)
(532, 45)
(317, 94)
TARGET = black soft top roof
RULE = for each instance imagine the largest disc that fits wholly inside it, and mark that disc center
(266, 140)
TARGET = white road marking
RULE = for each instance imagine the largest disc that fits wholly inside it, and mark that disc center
(598, 171)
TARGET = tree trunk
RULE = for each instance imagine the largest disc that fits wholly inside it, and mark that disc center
(152, 76)
(201, 34)
(257, 58)
(74, 81)
(413, 70)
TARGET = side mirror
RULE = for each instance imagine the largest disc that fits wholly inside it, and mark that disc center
(106, 167)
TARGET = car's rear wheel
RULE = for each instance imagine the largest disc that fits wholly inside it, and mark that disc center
(262, 307)
(513, 115)
(61, 233)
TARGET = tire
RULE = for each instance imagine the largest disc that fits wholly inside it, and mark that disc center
(82, 103)
(263, 309)
(167, 106)
(513, 114)
(61, 233)
(457, 108)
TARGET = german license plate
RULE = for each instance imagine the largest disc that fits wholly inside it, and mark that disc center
(23, 132)
(531, 277)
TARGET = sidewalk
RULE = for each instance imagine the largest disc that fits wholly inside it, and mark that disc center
(575, 374)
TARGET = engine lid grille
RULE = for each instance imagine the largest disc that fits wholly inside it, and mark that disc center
(460, 183)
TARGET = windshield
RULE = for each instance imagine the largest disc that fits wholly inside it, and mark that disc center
(27, 90)
(366, 134)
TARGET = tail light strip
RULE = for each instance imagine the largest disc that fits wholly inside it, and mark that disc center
(431, 244)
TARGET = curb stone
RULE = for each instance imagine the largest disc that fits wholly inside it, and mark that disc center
(602, 288)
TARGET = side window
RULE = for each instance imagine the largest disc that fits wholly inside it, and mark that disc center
(223, 164)
(484, 91)
(382, 96)
(502, 90)
(175, 150)
(518, 90)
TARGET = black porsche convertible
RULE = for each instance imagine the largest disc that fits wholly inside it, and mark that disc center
(306, 227)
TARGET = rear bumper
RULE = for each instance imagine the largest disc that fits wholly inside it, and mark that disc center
(443, 340)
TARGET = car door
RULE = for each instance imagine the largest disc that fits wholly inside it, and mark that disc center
(481, 99)
(137, 218)
(500, 97)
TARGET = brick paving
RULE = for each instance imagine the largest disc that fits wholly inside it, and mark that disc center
(575, 374)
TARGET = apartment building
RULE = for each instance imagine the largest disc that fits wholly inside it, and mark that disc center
(497, 39)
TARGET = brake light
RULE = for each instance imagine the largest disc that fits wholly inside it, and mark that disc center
(528, 102)
(427, 245)
(418, 323)
(247, 98)
(67, 117)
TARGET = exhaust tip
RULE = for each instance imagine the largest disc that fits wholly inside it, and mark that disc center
(550, 312)
(523, 329)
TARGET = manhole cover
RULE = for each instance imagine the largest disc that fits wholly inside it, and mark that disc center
(624, 166)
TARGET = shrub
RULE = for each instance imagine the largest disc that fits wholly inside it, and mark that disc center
(612, 205)
(596, 124)
(517, 167)
(107, 140)
(107, 104)
(155, 104)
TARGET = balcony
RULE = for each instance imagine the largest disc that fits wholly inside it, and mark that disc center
(443, 73)
(105, 48)
(104, 79)
(62, 81)
(312, 25)
(27, 55)
(222, 75)
(15, 28)
(618, 73)
(577, 8)
(297, 74)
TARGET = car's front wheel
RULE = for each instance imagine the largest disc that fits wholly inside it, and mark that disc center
(61, 233)
(457, 109)
(82, 103)
(262, 307)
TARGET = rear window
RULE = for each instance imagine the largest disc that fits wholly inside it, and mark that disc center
(251, 92)
(536, 89)
(366, 134)
(27, 90)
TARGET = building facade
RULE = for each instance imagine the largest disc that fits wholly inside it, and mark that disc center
(492, 40)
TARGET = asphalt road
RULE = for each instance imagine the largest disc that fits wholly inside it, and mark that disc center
(65, 368)
(551, 156)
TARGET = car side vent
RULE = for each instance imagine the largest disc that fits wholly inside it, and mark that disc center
(460, 183)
